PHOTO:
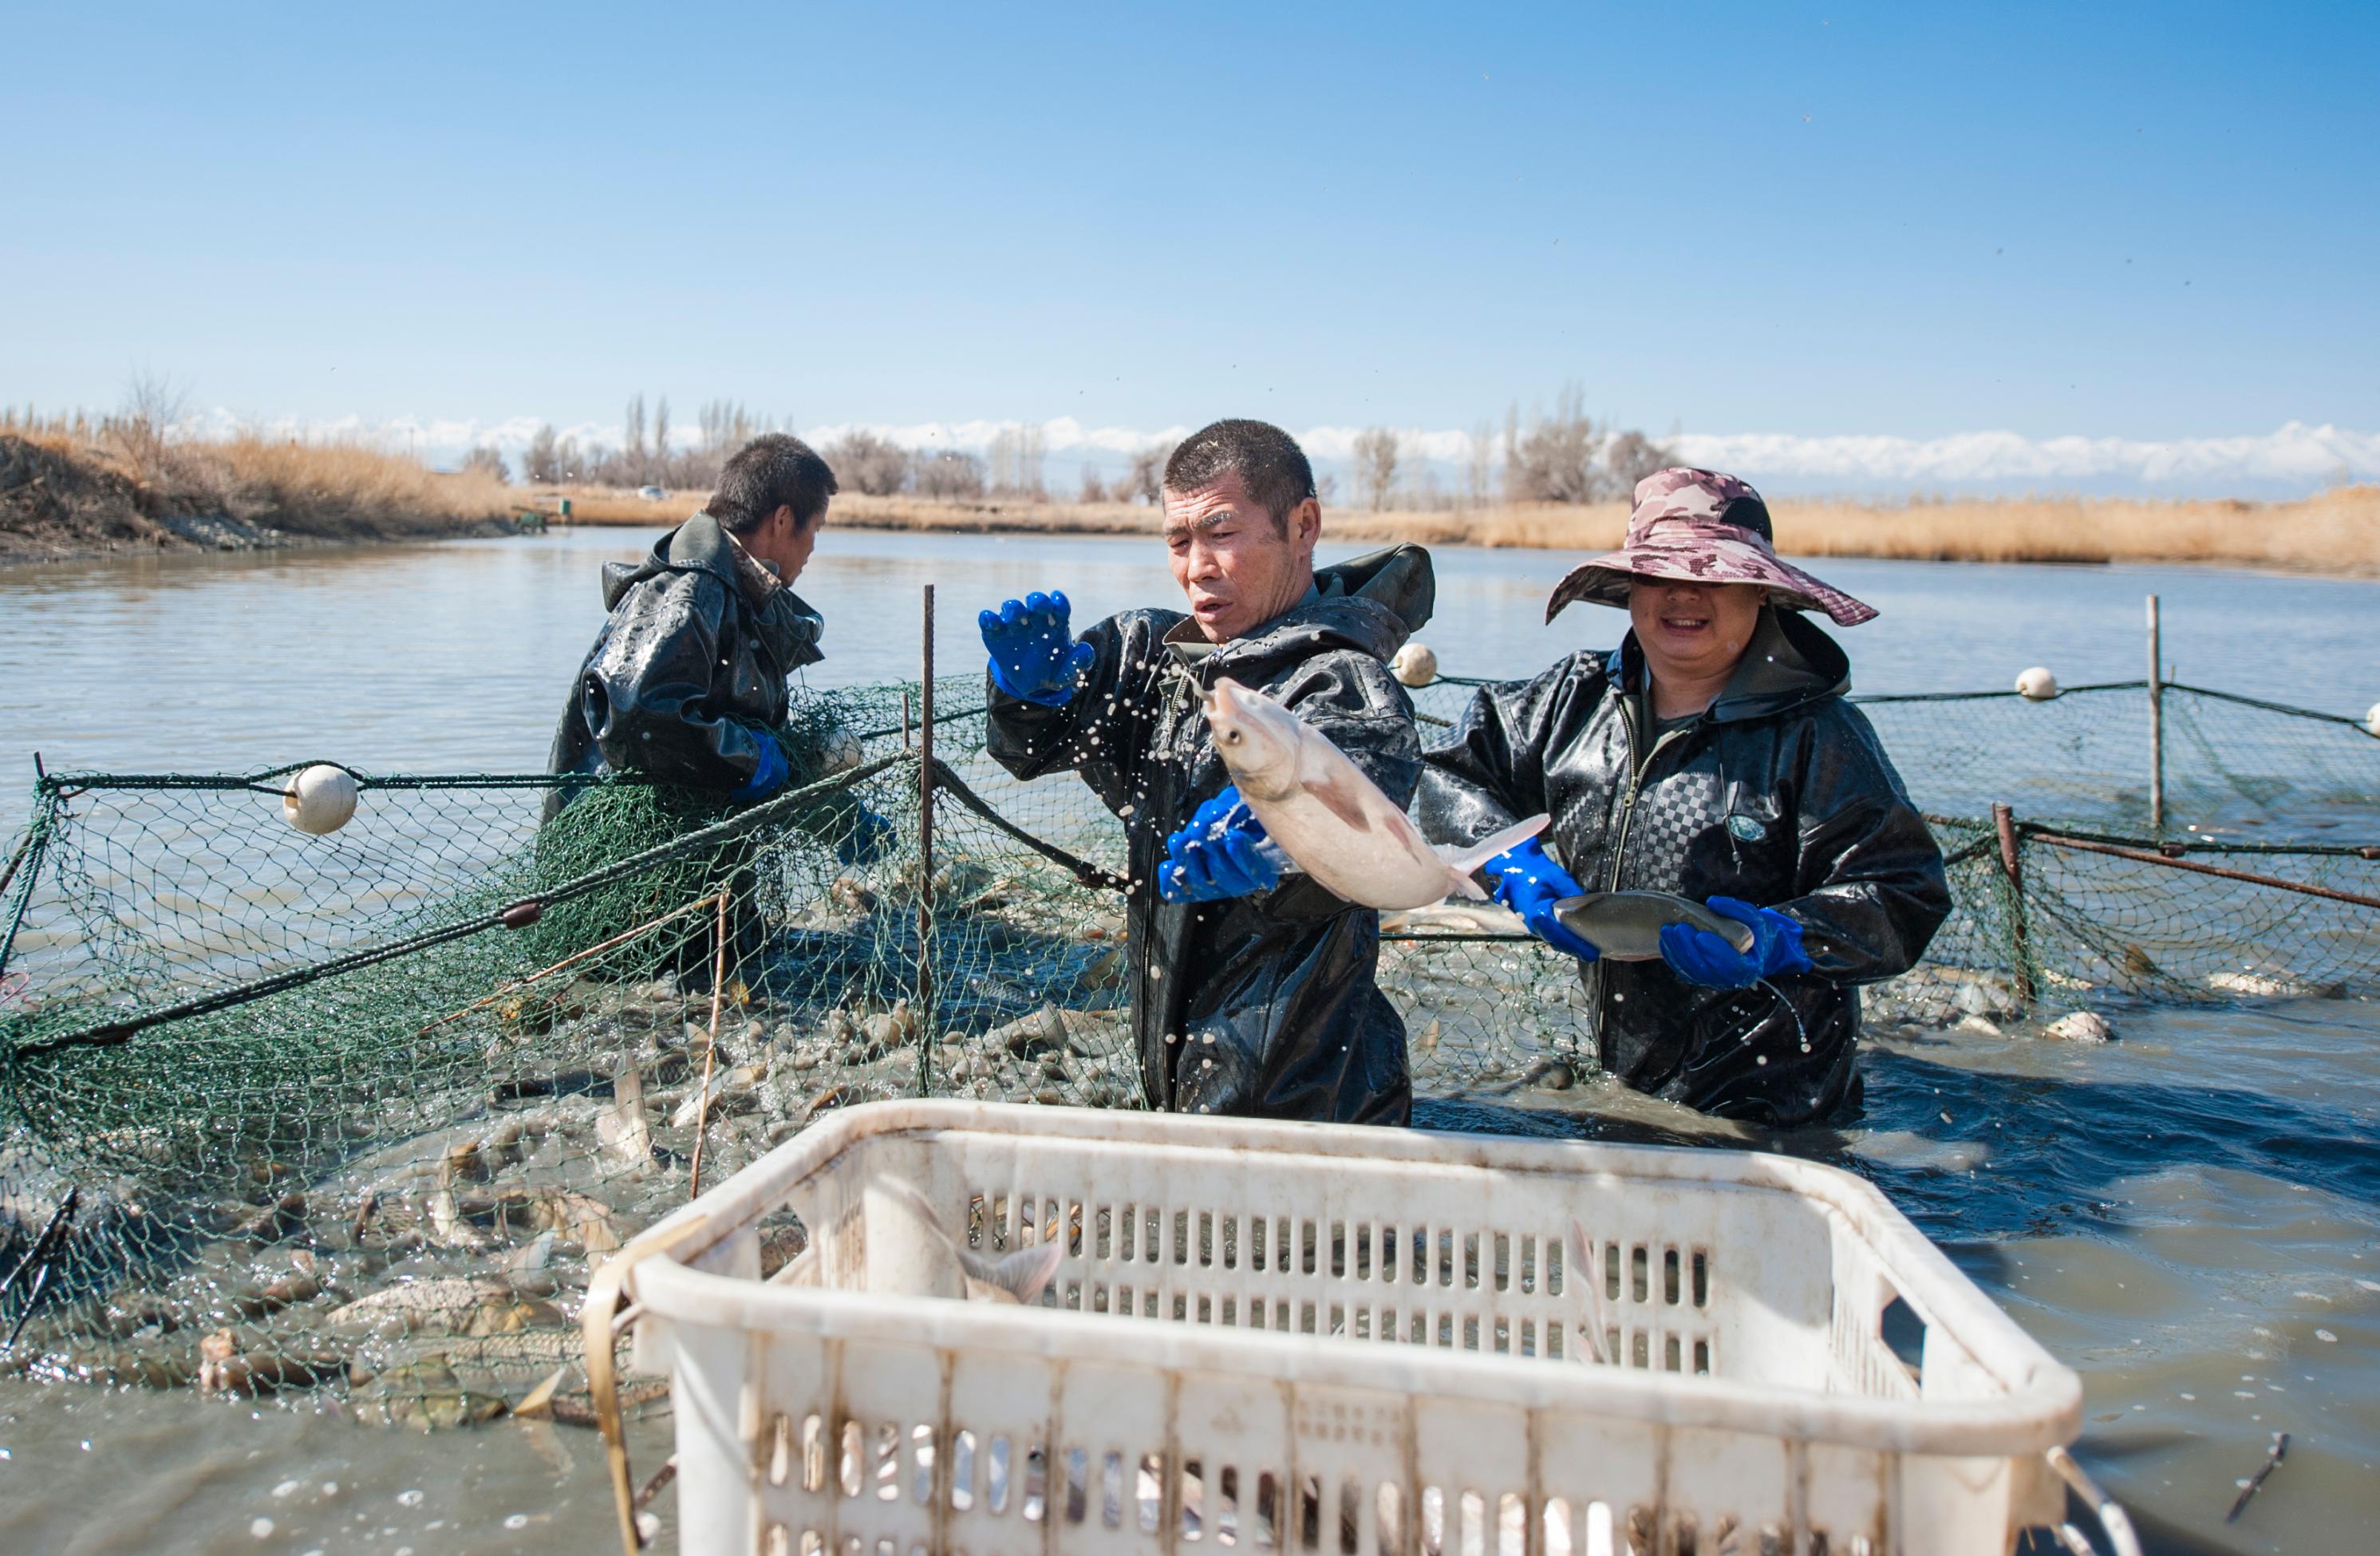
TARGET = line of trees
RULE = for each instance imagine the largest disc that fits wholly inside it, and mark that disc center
(1561, 456)
(645, 456)
(1011, 467)
(1564, 455)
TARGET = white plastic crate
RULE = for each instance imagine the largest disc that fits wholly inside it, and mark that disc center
(1338, 1340)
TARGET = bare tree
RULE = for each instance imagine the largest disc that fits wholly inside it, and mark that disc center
(1482, 443)
(867, 463)
(1145, 480)
(1376, 466)
(1631, 457)
(661, 441)
(1033, 447)
(1016, 453)
(1554, 461)
(153, 405)
(726, 425)
(948, 474)
(632, 448)
(486, 461)
(1094, 490)
(541, 461)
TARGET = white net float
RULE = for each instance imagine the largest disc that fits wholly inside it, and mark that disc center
(319, 799)
(2036, 684)
(1415, 664)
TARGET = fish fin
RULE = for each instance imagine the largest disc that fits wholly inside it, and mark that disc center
(1022, 1274)
(1462, 861)
(1341, 798)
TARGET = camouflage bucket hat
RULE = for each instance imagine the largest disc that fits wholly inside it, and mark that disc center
(1700, 526)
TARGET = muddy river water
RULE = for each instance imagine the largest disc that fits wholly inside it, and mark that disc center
(2189, 1216)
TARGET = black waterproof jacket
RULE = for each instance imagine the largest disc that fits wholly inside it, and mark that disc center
(1780, 795)
(1262, 1005)
(687, 676)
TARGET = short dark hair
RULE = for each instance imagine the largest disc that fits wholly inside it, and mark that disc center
(1266, 460)
(774, 470)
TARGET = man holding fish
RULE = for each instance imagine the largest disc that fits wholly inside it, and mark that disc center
(1253, 988)
(1712, 758)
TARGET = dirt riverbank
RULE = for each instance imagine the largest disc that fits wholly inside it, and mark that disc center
(59, 501)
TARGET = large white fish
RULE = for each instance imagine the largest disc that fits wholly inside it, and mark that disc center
(1330, 820)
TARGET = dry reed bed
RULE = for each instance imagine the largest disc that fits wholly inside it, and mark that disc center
(79, 491)
(2336, 532)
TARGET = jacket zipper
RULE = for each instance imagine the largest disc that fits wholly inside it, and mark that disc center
(1601, 992)
(1636, 771)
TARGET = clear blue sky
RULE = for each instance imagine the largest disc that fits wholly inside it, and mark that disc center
(2161, 222)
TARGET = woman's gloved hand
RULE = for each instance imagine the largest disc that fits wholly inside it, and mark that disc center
(1529, 882)
(769, 774)
(1034, 655)
(1702, 957)
(1222, 852)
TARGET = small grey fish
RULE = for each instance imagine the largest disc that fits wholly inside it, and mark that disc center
(1626, 926)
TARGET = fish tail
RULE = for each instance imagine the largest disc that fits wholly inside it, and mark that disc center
(1462, 861)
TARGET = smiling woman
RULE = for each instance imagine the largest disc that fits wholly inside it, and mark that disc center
(1712, 757)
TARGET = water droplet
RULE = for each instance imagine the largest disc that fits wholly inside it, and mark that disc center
(261, 1527)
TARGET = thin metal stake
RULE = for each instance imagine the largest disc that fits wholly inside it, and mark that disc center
(926, 1022)
(2013, 865)
(711, 1050)
(2156, 726)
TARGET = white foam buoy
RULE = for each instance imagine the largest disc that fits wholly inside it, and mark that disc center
(841, 753)
(2371, 719)
(1415, 664)
(2036, 684)
(319, 799)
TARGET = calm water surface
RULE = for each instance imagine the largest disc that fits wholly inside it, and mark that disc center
(2191, 1217)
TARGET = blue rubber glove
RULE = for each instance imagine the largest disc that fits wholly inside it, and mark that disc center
(1034, 655)
(1702, 957)
(769, 775)
(1529, 882)
(864, 843)
(1222, 852)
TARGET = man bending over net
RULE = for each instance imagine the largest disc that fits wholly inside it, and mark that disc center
(1251, 993)
(687, 679)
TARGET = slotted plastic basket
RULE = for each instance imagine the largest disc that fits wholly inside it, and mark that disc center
(1300, 1338)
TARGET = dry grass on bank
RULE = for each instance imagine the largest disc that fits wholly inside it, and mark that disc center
(69, 488)
(2336, 532)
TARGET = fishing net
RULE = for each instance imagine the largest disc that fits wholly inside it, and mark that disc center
(348, 1117)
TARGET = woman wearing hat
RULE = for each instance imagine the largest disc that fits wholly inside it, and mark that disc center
(1711, 756)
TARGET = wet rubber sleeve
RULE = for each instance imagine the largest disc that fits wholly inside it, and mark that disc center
(649, 697)
(1871, 889)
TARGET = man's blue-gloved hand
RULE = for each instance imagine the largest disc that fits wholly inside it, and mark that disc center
(1700, 957)
(865, 841)
(1222, 852)
(1529, 882)
(769, 774)
(1034, 655)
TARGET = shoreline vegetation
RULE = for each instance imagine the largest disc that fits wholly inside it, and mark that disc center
(2335, 532)
(118, 489)
(79, 488)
